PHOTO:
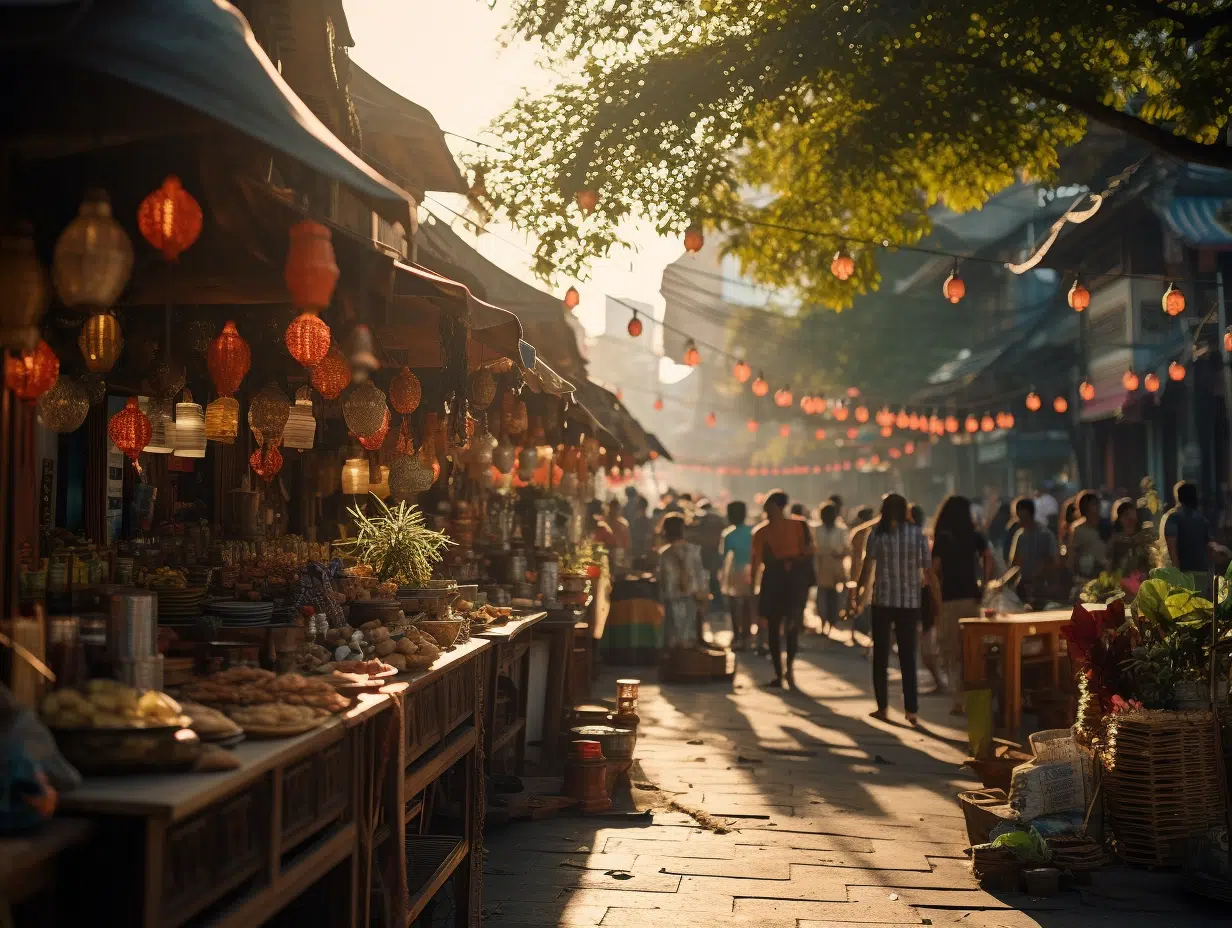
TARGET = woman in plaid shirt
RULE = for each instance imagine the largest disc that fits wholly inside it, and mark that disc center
(900, 552)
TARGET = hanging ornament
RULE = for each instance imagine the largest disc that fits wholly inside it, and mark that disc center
(752, 425)
(694, 239)
(189, 429)
(586, 200)
(742, 372)
(482, 389)
(711, 420)
(913, 421)
(572, 298)
(101, 342)
(843, 265)
(65, 406)
(954, 288)
(1173, 301)
(130, 430)
(760, 386)
(30, 374)
(1034, 402)
(405, 391)
(1086, 390)
(1079, 297)
(1176, 371)
(1009, 421)
(169, 218)
(902, 421)
(364, 409)
(987, 423)
(951, 424)
(692, 357)
(658, 404)
(971, 424)
(884, 417)
(887, 431)
(408, 478)
(861, 414)
(634, 328)
(307, 339)
(23, 288)
(222, 420)
(268, 413)
(374, 441)
(311, 273)
(783, 398)
(332, 375)
(1060, 405)
(1227, 340)
(1151, 382)
(1129, 380)
(841, 413)
(853, 433)
(266, 462)
(301, 428)
(93, 256)
(228, 360)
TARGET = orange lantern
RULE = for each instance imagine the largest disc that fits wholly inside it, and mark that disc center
(760, 387)
(692, 357)
(820, 435)
(1086, 390)
(658, 403)
(861, 413)
(954, 289)
(587, 200)
(783, 398)
(1034, 402)
(694, 239)
(887, 431)
(742, 372)
(784, 429)
(1227, 341)
(169, 218)
(711, 420)
(843, 265)
(228, 360)
(909, 448)
(310, 271)
(884, 417)
(1151, 382)
(572, 298)
(634, 328)
(266, 462)
(752, 425)
(1129, 380)
(895, 453)
(1060, 405)
(32, 373)
(130, 430)
(1173, 301)
(902, 420)
(374, 441)
(405, 392)
(841, 413)
(987, 423)
(332, 375)
(951, 424)
(1176, 371)
(1009, 421)
(972, 424)
(307, 339)
(1079, 297)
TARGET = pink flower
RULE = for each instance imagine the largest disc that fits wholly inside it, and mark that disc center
(1131, 583)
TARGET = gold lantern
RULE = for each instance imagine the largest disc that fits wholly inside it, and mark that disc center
(222, 420)
(101, 342)
(65, 406)
(355, 476)
(301, 427)
(409, 477)
(23, 290)
(268, 413)
(189, 429)
(93, 256)
(482, 389)
(364, 409)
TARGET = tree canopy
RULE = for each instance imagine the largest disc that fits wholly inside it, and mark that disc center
(850, 118)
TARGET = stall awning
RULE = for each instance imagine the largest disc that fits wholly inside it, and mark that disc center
(202, 54)
(611, 413)
(493, 332)
(1202, 222)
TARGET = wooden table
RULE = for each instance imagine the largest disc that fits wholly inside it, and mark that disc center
(559, 627)
(1012, 630)
(511, 659)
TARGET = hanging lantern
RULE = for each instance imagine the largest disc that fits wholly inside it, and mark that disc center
(936, 425)
(1173, 301)
(586, 200)
(902, 421)
(408, 478)
(93, 256)
(711, 420)
(1227, 340)
(228, 359)
(364, 409)
(853, 433)
(101, 342)
(1086, 390)
(884, 417)
(1176, 371)
(129, 430)
(374, 441)
(694, 239)
(887, 431)
(1060, 405)
(971, 424)
(268, 413)
(760, 387)
(65, 406)
(634, 328)
(222, 420)
(1009, 421)
(301, 428)
(189, 429)
(482, 389)
(841, 413)
(266, 462)
(752, 425)
(954, 289)
(1079, 297)
(32, 373)
(742, 372)
(658, 404)
(782, 398)
(355, 476)
(820, 435)
(913, 421)
(951, 424)
(332, 375)
(1034, 402)
(169, 218)
(692, 357)
(861, 413)
(162, 427)
(843, 265)
(307, 339)
(1151, 382)
(895, 453)
(23, 288)
(505, 454)
(1129, 380)
(572, 298)
(405, 391)
(987, 423)
(784, 430)
(310, 270)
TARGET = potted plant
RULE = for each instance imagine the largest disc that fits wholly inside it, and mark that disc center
(396, 543)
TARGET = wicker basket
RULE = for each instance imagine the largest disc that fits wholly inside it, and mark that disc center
(983, 809)
(1160, 782)
(997, 869)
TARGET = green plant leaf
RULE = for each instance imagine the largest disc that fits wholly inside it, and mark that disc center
(1176, 578)
(1150, 601)
(1180, 604)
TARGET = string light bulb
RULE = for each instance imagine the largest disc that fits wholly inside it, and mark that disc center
(902, 420)
(972, 424)
(634, 327)
(711, 420)
(861, 413)
(1129, 380)
(572, 298)
(692, 357)
(1034, 402)
(887, 431)
(1060, 405)
(1176, 371)
(1079, 297)
(1151, 382)
(951, 424)
(741, 371)
(954, 288)
(1173, 301)
(760, 386)
(987, 423)
(783, 398)
(1227, 340)
(841, 413)
(843, 265)
(1086, 390)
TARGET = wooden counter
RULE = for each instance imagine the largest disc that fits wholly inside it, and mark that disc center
(560, 628)
(504, 745)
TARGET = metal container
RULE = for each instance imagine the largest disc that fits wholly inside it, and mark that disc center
(132, 624)
(617, 743)
(549, 578)
(145, 673)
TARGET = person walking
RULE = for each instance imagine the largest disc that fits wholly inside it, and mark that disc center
(830, 544)
(900, 552)
(928, 611)
(857, 607)
(737, 573)
(682, 586)
(961, 557)
(1186, 533)
(1033, 551)
(1087, 551)
(782, 553)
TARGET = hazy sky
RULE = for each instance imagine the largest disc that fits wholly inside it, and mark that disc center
(447, 55)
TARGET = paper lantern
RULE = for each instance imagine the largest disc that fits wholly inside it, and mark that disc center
(634, 328)
(93, 256)
(902, 420)
(853, 433)
(1060, 405)
(374, 441)
(23, 288)
(65, 406)
(482, 389)
(971, 424)
(162, 428)
(129, 430)
(1129, 380)
(711, 420)
(752, 425)
(657, 404)
(169, 218)
(572, 298)
(843, 265)
(1009, 421)
(887, 431)
(332, 375)
(760, 387)
(301, 427)
(951, 424)
(742, 372)
(355, 476)
(101, 342)
(694, 239)
(222, 420)
(692, 357)
(365, 409)
(268, 413)
(310, 270)
(861, 414)
(405, 391)
(1176, 371)
(1079, 297)
(1086, 390)
(307, 339)
(820, 435)
(189, 429)
(954, 289)
(409, 477)
(987, 423)
(1173, 301)
(783, 398)
(1151, 382)
(228, 359)
(266, 462)
(1227, 340)
(32, 373)
(1034, 402)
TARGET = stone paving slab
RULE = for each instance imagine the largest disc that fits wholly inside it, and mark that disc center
(893, 913)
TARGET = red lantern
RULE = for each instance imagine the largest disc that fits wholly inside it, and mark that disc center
(1129, 380)
(909, 448)
(752, 425)
(783, 398)
(1227, 341)
(332, 375)
(820, 435)
(887, 431)
(374, 441)
(310, 271)
(587, 200)
(884, 417)
(169, 218)
(692, 357)
(954, 289)
(951, 424)
(861, 413)
(841, 413)
(1086, 390)
(760, 387)
(1173, 301)
(130, 430)
(32, 373)
(634, 327)
(405, 392)
(742, 372)
(266, 462)
(711, 420)
(972, 424)
(1151, 382)
(853, 433)
(1060, 405)
(1176, 371)
(987, 423)
(902, 420)
(307, 339)
(694, 239)
(861, 463)
(1034, 402)
(228, 360)
(1079, 297)
(843, 265)
(572, 298)
(1009, 421)
(895, 453)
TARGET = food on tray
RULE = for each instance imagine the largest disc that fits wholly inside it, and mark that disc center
(372, 668)
(209, 723)
(275, 715)
(109, 704)
(239, 687)
(167, 578)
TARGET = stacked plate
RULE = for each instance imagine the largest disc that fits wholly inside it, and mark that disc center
(179, 606)
(238, 613)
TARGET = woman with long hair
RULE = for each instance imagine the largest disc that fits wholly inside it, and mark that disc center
(682, 586)
(900, 552)
(961, 561)
(783, 553)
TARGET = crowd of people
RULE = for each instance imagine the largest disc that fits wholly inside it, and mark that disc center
(900, 578)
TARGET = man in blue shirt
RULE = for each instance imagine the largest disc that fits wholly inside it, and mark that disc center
(736, 546)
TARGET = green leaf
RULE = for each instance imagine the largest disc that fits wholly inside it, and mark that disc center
(1176, 578)
(1150, 601)
(1182, 603)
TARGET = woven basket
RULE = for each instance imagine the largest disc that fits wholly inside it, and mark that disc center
(997, 869)
(1160, 782)
(983, 809)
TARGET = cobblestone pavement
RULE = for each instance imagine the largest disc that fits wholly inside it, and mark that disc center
(788, 809)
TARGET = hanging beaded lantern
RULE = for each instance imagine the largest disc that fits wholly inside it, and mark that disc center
(93, 256)
(222, 420)
(130, 430)
(310, 271)
(268, 413)
(482, 389)
(228, 359)
(409, 477)
(169, 218)
(405, 392)
(364, 409)
(332, 375)
(374, 441)
(65, 406)
(101, 342)
(307, 339)
(301, 427)
(23, 287)
(266, 462)
(167, 379)
(355, 476)
(32, 373)
(189, 429)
